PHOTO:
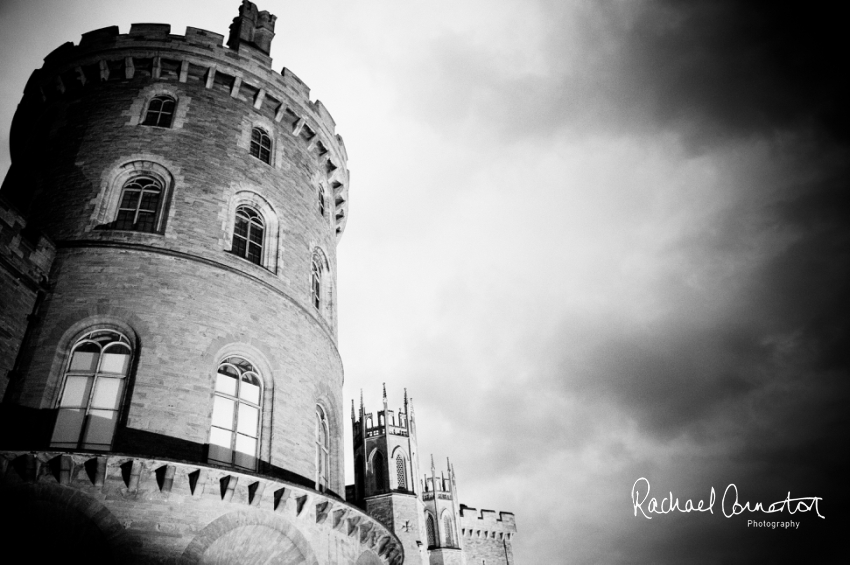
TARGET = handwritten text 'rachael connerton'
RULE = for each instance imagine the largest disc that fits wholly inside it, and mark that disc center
(729, 504)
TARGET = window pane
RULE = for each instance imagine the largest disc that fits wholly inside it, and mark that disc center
(107, 393)
(250, 392)
(245, 460)
(129, 199)
(239, 246)
(145, 222)
(85, 358)
(150, 201)
(256, 235)
(221, 438)
(69, 424)
(225, 383)
(220, 446)
(99, 429)
(248, 420)
(254, 254)
(76, 391)
(240, 227)
(125, 219)
(115, 360)
(222, 416)
(245, 444)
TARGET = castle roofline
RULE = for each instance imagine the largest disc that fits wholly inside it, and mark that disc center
(104, 54)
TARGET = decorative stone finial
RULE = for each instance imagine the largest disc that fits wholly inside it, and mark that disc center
(252, 27)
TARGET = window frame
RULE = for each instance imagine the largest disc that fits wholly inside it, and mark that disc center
(268, 148)
(116, 179)
(237, 400)
(134, 184)
(162, 99)
(271, 234)
(92, 388)
(323, 449)
(254, 221)
(430, 530)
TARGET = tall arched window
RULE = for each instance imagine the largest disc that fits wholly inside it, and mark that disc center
(140, 205)
(235, 431)
(447, 527)
(248, 231)
(160, 111)
(94, 385)
(401, 472)
(316, 282)
(322, 449)
(429, 527)
(261, 145)
(378, 472)
(322, 201)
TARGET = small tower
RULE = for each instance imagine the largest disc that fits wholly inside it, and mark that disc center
(385, 466)
(442, 517)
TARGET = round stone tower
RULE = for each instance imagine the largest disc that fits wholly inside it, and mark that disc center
(177, 390)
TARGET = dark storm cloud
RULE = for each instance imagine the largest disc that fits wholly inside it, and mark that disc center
(708, 70)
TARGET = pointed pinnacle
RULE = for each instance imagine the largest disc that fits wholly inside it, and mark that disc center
(385, 391)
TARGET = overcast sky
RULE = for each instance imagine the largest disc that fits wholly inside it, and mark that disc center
(596, 241)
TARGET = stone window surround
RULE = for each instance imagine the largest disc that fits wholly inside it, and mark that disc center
(116, 177)
(139, 107)
(271, 233)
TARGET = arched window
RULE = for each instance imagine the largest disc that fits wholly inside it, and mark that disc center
(429, 527)
(401, 472)
(378, 472)
(160, 111)
(447, 527)
(94, 385)
(322, 201)
(261, 145)
(140, 205)
(316, 282)
(235, 431)
(322, 449)
(248, 230)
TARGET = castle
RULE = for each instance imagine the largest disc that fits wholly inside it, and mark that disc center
(170, 380)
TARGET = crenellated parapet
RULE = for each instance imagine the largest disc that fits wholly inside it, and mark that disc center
(242, 69)
(486, 523)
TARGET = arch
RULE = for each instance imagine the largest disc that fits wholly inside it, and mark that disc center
(261, 370)
(272, 536)
(135, 190)
(91, 382)
(321, 197)
(160, 111)
(141, 105)
(321, 293)
(378, 471)
(323, 445)
(447, 527)
(248, 234)
(265, 217)
(237, 414)
(261, 144)
(399, 468)
(77, 523)
(369, 557)
(430, 530)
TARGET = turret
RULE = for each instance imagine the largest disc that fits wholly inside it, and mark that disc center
(172, 213)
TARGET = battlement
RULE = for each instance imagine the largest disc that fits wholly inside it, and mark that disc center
(28, 255)
(241, 69)
(487, 520)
